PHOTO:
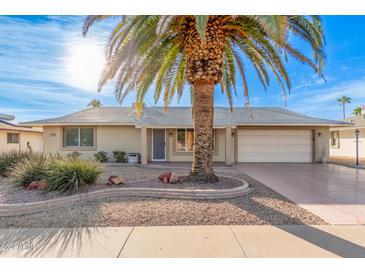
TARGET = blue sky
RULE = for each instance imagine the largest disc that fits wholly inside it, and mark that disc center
(48, 69)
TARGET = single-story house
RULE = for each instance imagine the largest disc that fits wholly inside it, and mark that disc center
(343, 139)
(20, 138)
(255, 134)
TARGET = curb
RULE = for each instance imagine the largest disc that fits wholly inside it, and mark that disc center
(7, 210)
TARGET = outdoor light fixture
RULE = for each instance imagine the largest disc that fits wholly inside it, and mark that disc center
(171, 134)
(357, 133)
(319, 134)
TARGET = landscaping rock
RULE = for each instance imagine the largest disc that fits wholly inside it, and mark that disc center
(165, 177)
(169, 177)
(115, 180)
(37, 185)
(174, 179)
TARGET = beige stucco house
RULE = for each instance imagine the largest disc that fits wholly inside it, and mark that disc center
(343, 140)
(243, 135)
(15, 138)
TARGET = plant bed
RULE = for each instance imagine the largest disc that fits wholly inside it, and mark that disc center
(224, 183)
(22, 195)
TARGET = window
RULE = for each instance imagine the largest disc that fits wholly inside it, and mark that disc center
(78, 137)
(185, 140)
(335, 139)
(13, 138)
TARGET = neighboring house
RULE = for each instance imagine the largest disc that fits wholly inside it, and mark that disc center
(20, 138)
(343, 140)
(243, 135)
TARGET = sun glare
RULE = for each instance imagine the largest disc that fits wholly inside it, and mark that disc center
(84, 63)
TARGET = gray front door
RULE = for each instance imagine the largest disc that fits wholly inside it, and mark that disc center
(158, 145)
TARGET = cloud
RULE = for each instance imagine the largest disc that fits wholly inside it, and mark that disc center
(323, 101)
(51, 50)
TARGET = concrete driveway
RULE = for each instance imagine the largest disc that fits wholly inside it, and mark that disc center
(335, 193)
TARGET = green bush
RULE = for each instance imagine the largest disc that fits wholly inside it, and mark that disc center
(120, 156)
(9, 160)
(29, 169)
(101, 156)
(74, 154)
(69, 175)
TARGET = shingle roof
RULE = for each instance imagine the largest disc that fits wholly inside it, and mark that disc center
(277, 116)
(9, 126)
(181, 116)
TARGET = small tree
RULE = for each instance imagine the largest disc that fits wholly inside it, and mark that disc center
(343, 101)
(357, 111)
(95, 103)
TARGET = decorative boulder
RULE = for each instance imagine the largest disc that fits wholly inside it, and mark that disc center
(169, 178)
(115, 180)
(165, 177)
(40, 185)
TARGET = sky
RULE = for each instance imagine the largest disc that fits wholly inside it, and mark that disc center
(49, 69)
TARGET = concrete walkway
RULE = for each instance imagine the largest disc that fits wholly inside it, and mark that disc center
(334, 193)
(185, 241)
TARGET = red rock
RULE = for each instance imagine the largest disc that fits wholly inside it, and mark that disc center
(41, 185)
(165, 174)
(116, 180)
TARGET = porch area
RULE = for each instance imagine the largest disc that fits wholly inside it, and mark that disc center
(174, 146)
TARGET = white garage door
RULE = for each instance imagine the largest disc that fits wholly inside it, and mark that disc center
(275, 146)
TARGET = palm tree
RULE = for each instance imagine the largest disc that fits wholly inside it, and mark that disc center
(357, 111)
(95, 103)
(343, 101)
(168, 52)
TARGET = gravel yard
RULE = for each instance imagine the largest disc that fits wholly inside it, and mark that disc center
(263, 206)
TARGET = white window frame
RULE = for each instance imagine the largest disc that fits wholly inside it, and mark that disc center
(78, 138)
(186, 134)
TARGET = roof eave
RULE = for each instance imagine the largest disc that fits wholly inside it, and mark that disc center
(77, 124)
(293, 124)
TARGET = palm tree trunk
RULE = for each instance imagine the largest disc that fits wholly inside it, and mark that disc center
(343, 110)
(203, 113)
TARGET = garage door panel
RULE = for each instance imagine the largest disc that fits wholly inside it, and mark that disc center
(274, 132)
(275, 141)
(275, 146)
(288, 149)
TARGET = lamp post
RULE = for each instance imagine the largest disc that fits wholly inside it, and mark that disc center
(357, 133)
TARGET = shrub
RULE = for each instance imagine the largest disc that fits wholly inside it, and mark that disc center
(120, 156)
(74, 154)
(68, 175)
(101, 156)
(9, 160)
(29, 169)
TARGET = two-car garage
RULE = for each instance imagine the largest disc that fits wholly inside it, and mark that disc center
(294, 146)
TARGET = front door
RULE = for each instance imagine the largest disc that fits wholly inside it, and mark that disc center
(158, 145)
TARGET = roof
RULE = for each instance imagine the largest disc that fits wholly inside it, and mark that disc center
(356, 121)
(9, 126)
(182, 117)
